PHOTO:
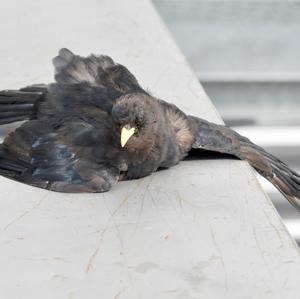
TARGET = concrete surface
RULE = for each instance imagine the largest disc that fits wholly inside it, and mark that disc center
(203, 229)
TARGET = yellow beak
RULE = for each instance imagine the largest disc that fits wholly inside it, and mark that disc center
(126, 133)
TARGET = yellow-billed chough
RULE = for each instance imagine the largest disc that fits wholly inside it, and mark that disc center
(96, 125)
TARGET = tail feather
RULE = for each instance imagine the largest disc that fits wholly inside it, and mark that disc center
(18, 105)
(9, 166)
(17, 108)
(14, 118)
(286, 180)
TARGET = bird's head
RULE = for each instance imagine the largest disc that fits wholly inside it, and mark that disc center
(136, 116)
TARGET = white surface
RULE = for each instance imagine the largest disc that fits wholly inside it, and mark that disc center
(202, 229)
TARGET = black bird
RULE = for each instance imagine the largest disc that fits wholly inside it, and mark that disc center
(96, 125)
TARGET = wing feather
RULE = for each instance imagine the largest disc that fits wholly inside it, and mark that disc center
(218, 138)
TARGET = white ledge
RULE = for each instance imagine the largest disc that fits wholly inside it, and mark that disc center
(203, 229)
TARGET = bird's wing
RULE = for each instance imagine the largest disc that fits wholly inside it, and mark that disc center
(66, 170)
(93, 81)
(99, 71)
(40, 156)
(218, 138)
(19, 105)
(85, 83)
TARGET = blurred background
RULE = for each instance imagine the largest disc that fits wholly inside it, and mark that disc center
(246, 55)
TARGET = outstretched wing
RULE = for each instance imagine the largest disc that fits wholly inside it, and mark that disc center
(56, 159)
(81, 81)
(85, 84)
(218, 138)
(99, 71)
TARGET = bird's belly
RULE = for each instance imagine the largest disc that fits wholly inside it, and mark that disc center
(136, 171)
(172, 155)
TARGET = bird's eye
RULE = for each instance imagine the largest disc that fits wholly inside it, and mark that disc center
(139, 122)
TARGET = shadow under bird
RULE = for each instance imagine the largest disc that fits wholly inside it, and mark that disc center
(96, 125)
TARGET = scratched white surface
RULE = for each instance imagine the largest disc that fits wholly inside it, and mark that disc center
(203, 229)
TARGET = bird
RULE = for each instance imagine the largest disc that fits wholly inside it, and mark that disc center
(95, 125)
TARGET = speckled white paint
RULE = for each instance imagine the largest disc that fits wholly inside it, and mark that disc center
(203, 229)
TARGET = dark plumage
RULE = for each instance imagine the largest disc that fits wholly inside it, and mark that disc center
(96, 126)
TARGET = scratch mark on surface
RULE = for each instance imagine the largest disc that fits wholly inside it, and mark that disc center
(262, 254)
(277, 233)
(95, 253)
(116, 227)
(120, 293)
(140, 213)
(97, 249)
(124, 255)
(275, 228)
(23, 214)
(142, 206)
(271, 274)
(127, 197)
(162, 217)
(179, 199)
(213, 236)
